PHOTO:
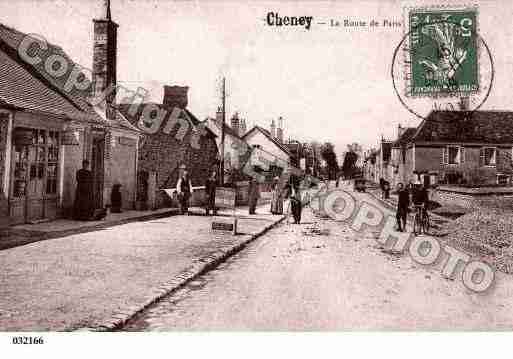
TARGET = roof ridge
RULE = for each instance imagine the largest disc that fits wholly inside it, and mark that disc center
(13, 55)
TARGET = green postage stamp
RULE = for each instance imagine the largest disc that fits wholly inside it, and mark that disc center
(443, 52)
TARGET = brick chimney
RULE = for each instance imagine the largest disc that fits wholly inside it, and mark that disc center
(242, 128)
(235, 123)
(175, 96)
(400, 130)
(219, 115)
(105, 54)
(279, 131)
(273, 129)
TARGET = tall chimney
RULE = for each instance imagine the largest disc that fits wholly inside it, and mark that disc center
(400, 130)
(273, 129)
(279, 131)
(105, 55)
(175, 96)
(219, 115)
(235, 123)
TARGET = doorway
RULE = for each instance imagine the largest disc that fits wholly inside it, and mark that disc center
(97, 168)
(35, 166)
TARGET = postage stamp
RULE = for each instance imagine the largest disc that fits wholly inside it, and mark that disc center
(443, 52)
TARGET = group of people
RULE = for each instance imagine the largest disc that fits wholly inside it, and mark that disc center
(415, 193)
(279, 193)
(84, 208)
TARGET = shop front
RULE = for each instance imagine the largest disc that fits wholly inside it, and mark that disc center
(35, 174)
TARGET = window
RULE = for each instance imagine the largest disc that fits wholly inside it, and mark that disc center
(453, 155)
(488, 156)
(53, 161)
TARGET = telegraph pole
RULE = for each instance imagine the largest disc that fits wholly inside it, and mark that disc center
(223, 98)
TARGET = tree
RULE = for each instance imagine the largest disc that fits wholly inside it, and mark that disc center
(328, 154)
(349, 164)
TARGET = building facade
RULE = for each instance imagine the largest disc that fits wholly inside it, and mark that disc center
(47, 128)
(173, 137)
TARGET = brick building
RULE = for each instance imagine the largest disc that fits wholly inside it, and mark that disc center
(173, 136)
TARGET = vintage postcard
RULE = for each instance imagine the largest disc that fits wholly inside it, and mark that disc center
(224, 165)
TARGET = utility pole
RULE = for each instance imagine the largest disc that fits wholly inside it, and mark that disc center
(223, 98)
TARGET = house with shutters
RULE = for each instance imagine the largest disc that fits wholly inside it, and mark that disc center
(460, 147)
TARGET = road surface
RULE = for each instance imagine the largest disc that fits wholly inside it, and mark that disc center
(287, 280)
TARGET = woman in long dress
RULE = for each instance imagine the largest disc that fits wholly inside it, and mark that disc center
(277, 198)
(84, 202)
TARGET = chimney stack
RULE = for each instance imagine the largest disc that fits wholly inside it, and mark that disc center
(279, 131)
(175, 96)
(400, 130)
(273, 129)
(105, 55)
(243, 127)
(235, 123)
(219, 115)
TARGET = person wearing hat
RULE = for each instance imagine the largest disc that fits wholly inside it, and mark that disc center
(210, 193)
(184, 190)
(277, 197)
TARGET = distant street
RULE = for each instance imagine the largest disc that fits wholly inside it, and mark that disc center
(286, 280)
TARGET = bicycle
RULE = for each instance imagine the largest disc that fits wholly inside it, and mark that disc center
(421, 221)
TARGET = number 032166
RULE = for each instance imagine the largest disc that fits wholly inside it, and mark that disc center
(27, 340)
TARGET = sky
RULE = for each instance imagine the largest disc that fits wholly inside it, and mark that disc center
(328, 83)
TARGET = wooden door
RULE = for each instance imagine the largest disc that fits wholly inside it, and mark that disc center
(17, 199)
(97, 170)
(36, 177)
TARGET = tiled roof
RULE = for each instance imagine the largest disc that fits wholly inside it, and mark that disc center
(405, 137)
(268, 135)
(20, 89)
(44, 91)
(134, 119)
(466, 126)
(227, 129)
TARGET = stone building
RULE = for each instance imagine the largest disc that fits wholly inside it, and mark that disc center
(173, 137)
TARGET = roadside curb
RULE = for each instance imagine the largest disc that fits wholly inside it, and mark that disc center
(198, 268)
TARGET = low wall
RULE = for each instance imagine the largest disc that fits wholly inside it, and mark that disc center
(198, 196)
(472, 198)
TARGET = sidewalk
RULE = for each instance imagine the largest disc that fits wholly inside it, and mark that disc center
(28, 233)
(99, 279)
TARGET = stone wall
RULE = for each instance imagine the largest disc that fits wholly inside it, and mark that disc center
(472, 198)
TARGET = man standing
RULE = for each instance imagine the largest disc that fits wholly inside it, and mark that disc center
(184, 191)
(84, 202)
(210, 193)
(402, 207)
(420, 196)
(253, 195)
